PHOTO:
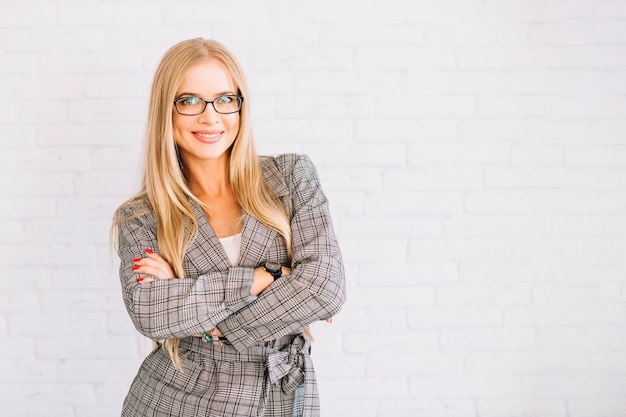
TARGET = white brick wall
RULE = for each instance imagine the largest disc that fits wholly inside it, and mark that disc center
(474, 153)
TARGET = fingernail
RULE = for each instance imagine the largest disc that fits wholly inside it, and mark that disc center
(330, 320)
(149, 251)
(140, 279)
(136, 268)
(136, 260)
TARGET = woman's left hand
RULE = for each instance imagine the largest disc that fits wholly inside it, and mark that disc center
(154, 265)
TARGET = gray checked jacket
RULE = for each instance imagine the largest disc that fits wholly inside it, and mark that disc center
(216, 293)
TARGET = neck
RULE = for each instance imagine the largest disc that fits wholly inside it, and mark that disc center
(208, 178)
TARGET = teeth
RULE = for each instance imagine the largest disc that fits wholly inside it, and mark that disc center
(208, 136)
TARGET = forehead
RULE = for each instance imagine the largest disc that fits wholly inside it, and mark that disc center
(207, 78)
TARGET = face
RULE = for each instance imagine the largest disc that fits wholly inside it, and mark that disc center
(209, 135)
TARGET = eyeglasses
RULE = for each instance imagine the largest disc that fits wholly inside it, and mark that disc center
(193, 106)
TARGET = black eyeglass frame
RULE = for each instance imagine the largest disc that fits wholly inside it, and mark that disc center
(239, 104)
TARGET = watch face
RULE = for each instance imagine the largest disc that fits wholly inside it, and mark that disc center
(273, 266)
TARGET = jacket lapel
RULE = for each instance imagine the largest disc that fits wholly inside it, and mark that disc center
(206, 252)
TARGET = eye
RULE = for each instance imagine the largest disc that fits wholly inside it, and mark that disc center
(189, 101)
(224, 99)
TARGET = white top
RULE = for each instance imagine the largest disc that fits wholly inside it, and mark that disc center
(232, 247)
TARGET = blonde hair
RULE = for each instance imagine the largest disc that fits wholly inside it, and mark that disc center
(164, 185)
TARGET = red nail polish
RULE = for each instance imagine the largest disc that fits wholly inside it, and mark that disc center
(149, 251)
(136, 260)
(140, 279)
(136, 268)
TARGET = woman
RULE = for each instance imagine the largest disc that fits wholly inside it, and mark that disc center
(226, 256)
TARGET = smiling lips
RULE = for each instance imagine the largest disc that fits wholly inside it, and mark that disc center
(208, 137)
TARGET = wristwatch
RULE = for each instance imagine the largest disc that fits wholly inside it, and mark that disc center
(275, 269)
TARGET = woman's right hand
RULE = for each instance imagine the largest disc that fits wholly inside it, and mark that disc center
(263, 279)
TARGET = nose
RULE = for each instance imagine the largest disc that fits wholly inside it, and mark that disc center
(209, 113)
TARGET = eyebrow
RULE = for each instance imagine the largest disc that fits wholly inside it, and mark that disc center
(223, 93)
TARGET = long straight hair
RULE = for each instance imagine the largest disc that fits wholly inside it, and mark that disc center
(164, 186)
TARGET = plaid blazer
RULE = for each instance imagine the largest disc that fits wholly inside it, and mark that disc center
(265, 367)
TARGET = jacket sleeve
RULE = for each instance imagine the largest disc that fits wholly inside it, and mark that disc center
(315, 289)
(175, 308)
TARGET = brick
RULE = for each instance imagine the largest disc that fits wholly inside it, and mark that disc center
(434, 178)
(26, 278)
(602, 406)
(342, 366)
(53, 39)
(48, 160)
(20, 15)
(109, 14)
(543, 57)
(477, 34)
(397, 227)
(56, 324)
(494, 294)
(27, 207)
(37, 184)
(27, 371)
(595, 156)
(87, 208)
(392, 297)
(344, 82)
(439, 106)
(405, 57)
(548, 315)
(334, 106)
(62, 348)
(66, 231)
(325, 11)
(53, 87)
(17, 63)
(92, 135)
(11, 232)
(47, 111)
(448, 11)
(124, 110)
(96, 370)
(388, 318)
(524, 154)
(349, 154)
(442, 154)
(388, 34)
(67, 301)
(18, 301)
(362, 249)
(596, 339)
(544, 201)
(577, 32)
(534, 225)
(428, 408)
(122, 85)
(547, 270)
(28, 411)
(599, 179)
(417, 342)
(522, 407)
(487, 339)
(386, 387)
(414, 203)
(105, 184)
(408, 273)
(16, 347)
(454, 317)
(450, 249)
(413, 130)
(300, 58)
(27, 135)
(88, 62)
